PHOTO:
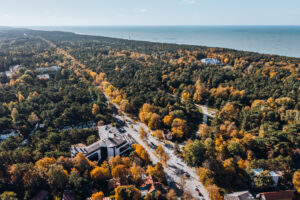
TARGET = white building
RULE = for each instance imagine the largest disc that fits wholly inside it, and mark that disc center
(209, 61)
(111, 143)
(8, 133)
(43, 76)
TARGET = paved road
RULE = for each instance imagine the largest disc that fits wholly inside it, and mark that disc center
(172, 164)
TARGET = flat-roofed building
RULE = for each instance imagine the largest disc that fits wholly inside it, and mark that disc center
(110, 144)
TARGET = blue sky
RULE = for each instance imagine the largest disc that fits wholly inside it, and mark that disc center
(149, 12)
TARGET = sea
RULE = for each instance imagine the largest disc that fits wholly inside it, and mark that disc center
(278, 40)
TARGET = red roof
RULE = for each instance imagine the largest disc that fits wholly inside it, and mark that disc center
(151, 184)
(287, 194)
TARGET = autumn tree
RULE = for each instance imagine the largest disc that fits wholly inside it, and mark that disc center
(154, 122)
(167, 120)
(206, 176)
(148, 196)
(57, 178)
(157, 171)
(120, 172)
(97, 174)
(179, 128)
(97, 196)
(8, 195)
(81, 163)
(200, 92)
(125, 192)
(95, 109)
(161, 153)
(136, 173)
(171, 195)
(214, 193)
(229, 112)
(296, 181)
(33, 118)
(142, 153)
(159, 134)
(143, 134)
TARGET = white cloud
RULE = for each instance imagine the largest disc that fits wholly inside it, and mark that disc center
(190, 1)
(143, 10)
(5, 15)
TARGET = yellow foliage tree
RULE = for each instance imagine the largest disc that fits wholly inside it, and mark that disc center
(119, 172)
(95, 109)
(97, 196)
(97, 174)
(142, 153)
(296, 181)
(126, 192)
(179, 128)
(159, 134)
(214, 193)
(168, 119)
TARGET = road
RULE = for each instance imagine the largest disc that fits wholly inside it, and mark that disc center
(173, 163)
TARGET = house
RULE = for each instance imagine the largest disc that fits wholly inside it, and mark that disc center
(14, 69)
(277, 195)
(242, 195)
(43, 76)
(8, 133)
(111, 143)
(275, 176)
(150, 185)
(209, 61)
(52, 69)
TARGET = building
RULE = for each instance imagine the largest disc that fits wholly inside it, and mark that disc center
(111, 143)
(210, 61)
(275, 176)
(52, 69)
(242, 195)
(150, 185)
(8, 133)
(43, 76)
(277, 195)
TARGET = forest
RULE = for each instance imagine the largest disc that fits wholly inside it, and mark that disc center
(256, 96)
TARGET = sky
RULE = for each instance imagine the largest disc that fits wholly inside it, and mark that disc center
(148, 12)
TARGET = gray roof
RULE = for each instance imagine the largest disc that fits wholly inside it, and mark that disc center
(242, 195)
(109, 137)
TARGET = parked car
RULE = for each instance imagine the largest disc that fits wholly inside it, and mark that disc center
(187, 174)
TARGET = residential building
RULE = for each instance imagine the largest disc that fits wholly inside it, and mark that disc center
(48, 69)
(8, 133)
(111, 143)
(209, 61)
(43, 76)
(242, 195)
(277, 195)
(150, 185)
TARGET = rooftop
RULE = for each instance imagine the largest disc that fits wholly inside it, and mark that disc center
(283, 194)
(242, 195)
